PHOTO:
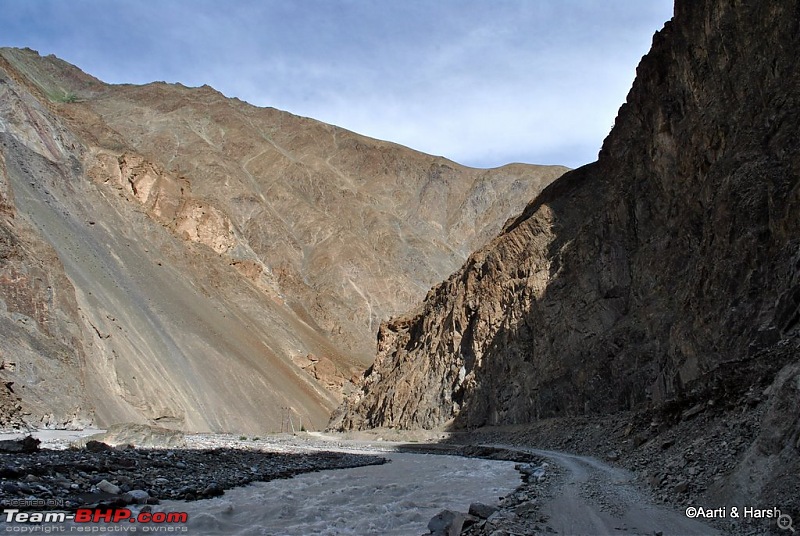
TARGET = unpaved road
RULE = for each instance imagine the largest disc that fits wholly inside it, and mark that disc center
(597, 499)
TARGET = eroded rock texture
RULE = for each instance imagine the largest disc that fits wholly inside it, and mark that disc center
(171, 256)
(669, 270)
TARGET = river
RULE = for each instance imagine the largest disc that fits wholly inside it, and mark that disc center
(398, 498)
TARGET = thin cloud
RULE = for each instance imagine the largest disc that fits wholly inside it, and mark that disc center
(482, 83)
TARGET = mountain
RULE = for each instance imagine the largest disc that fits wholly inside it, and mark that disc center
(169, 255)
(665, 277)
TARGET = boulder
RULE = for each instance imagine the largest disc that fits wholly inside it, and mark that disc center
(26, 444)
(139, 435)
(481, 510)
(107, 487)
(681, 487)
(532, 472)
(446, 523)
(97, 446)
(136, 496)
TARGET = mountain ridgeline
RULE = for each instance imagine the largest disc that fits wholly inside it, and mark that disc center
(666, 274)
(175, 257)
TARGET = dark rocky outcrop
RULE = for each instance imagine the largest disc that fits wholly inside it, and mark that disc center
(666, 273)
(661, 282)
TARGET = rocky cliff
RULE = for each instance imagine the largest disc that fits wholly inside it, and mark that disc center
(169, 255)
(665, 274)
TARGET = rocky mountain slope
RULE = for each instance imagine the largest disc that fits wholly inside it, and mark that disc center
(170, 255)
(664, 276)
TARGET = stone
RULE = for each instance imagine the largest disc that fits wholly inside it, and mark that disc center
(501, 515)
(8, 471)
(693, 411)
(137, 435)
(481, 510)
(212, 490)
(136, 496)
(446, 523)
(680, 487)
(27, 444)
(97, 446)
(531, 471)
(107, 487)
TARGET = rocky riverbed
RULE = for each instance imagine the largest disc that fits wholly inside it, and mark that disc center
(517, 513)
(98, 474)
(149, 468)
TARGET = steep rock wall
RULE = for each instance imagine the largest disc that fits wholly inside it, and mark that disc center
(667, 271)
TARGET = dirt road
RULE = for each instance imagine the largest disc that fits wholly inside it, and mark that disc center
(597, 499)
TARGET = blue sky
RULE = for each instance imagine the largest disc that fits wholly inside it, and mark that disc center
(481, 82)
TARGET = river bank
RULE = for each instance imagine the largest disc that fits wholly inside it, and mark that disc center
(100, 475)
(228, 484)
(238, 485)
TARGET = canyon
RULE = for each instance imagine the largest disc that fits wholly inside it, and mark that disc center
(171, 256)
(175, 257)
(659, 283)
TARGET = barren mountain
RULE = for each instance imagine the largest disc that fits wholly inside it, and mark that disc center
(171, 255)
(665, 276)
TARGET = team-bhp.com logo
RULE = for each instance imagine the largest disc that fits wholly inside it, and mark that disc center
(87, 515)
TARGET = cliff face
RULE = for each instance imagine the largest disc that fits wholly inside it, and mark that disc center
(665, 273)
(168, 255)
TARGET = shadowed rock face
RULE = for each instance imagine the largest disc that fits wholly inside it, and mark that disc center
(168, 255)
(667, 271)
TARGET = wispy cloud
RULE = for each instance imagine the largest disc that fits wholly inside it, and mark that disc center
(483, 83)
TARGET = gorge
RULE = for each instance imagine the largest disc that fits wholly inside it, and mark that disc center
(173, 257)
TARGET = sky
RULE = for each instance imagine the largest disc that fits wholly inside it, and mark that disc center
(482, 82)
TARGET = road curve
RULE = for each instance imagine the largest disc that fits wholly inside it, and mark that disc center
(597, 499)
